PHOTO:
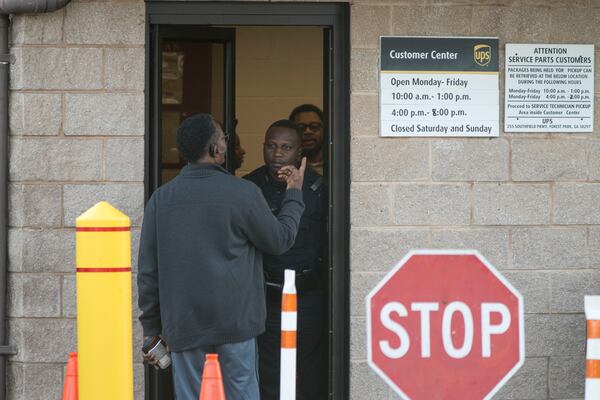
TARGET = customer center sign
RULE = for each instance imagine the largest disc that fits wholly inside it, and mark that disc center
(438, 87)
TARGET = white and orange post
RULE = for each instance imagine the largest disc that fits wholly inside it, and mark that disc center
(289, 328)
(592, 366)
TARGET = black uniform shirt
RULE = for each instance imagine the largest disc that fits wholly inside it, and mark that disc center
(306, 252)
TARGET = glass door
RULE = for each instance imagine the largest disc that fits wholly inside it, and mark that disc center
(194, 70)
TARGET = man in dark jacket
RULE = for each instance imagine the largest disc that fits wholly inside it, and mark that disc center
(200, 277)
(283, 146)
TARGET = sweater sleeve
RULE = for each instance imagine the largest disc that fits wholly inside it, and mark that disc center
(275, 234)
(148, 299)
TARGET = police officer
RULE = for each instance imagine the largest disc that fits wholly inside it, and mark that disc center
(283, 146)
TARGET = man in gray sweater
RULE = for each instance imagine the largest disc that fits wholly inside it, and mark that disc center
(200, 278)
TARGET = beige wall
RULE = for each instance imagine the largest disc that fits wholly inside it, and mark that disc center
(76, 137)
(277, 68)
(528, 202)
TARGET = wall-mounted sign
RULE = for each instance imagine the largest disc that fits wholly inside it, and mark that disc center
(438, 87)
(549, 88)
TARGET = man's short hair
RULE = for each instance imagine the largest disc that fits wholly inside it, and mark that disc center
(306, 108)
(194, 135)
(286, 123)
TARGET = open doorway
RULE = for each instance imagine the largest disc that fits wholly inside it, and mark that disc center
(248, 73)
(275, 69)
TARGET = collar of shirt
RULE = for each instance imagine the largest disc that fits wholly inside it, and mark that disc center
(202, 170)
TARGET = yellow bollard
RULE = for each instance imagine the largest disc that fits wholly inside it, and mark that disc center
(104, 321)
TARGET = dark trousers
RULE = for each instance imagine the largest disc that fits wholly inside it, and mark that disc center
(311, 358)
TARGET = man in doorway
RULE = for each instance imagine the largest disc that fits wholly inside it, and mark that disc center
(200, 279)
(283, 147)
(309, 119)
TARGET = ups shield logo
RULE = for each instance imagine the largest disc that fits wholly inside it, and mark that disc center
(482, 53)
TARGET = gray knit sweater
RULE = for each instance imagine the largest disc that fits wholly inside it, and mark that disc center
(200, 277)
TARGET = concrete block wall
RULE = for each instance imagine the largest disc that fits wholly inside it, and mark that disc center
(530, 203)
(76, 137)
(527, 202)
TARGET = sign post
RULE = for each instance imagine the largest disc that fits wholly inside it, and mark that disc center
(444, 324)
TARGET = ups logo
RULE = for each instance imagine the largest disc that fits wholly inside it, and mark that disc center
(482, 53)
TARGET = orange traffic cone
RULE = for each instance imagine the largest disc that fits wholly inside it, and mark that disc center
(70, 387)
(212, 381)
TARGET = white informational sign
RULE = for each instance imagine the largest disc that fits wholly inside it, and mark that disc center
(438, 87)
(549, 88)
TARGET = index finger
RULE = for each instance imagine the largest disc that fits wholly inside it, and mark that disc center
(302, 165)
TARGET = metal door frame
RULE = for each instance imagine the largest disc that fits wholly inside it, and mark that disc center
(335, 17)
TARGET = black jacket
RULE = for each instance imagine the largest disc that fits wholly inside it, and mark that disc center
(200, 275)
(307, 250)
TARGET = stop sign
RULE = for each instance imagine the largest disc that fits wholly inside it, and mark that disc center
(444, 324)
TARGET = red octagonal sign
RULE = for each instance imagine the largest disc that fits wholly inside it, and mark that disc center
(444, 324)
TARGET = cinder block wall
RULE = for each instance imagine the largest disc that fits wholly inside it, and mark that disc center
(530, 203)
(76, 126)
